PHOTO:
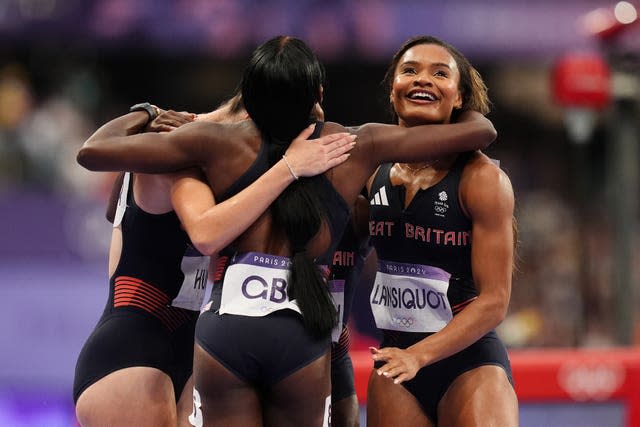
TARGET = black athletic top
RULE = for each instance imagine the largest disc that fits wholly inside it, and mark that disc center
(149, 274)
(348, 260)
(433, 230)
(336, 208)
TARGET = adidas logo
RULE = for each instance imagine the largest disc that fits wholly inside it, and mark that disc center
(380, 198)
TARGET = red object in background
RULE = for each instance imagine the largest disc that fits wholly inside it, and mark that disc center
(609, 23)
(582, 80)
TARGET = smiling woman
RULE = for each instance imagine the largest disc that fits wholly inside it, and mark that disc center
(236, 379)
(442, 231)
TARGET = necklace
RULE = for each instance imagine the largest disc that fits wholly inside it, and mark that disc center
(418, 169)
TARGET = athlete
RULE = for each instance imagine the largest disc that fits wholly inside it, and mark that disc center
(135, 366)
(262, 343)
(443, 234)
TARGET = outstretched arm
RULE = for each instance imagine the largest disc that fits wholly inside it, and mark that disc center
(118, 145)
(392, 143)
(211, 227)
(165, 122)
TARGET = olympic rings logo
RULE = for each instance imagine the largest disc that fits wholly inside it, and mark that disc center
(440, 209)
(403, 321)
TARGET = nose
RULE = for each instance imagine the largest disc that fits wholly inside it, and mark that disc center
(422, 79)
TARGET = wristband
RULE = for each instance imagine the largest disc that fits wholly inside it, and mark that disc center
(145, 106)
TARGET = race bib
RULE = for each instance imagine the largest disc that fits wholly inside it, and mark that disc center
(195, 268)
(410, 297)
(255, 284)
(336, 287)
(122, 200)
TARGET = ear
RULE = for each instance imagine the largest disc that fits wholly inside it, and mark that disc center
(458, 103)
(321, 97)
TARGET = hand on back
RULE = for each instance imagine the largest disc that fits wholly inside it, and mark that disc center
(312, 157)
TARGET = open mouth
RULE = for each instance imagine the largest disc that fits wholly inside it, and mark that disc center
(422, 95)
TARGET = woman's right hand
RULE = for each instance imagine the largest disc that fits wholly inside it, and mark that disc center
(309, 157)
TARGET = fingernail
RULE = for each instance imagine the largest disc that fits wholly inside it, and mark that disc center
(379, 373)
(396, 381)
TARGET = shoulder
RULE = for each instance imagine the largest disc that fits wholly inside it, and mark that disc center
(484, 185)
(333, 127)
(201, 129)
(209, 134)
(372, 137)
(482, 169)
(366, 130)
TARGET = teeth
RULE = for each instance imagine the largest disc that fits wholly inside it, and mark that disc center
(423, 95)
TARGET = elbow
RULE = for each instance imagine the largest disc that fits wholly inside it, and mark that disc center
(86, 157)
(498, 312)
(204, 243)
(494, 311)
(501, 314)
(205, 248)
(490, 133)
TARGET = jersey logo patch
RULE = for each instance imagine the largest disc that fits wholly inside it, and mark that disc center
(380, 198)
(440, 206)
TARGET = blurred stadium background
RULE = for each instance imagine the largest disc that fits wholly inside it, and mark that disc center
(67, 66)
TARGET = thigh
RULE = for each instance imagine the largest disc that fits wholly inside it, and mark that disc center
(139, 396)
(220, 398)
(480, 397)
(302, 398)
(390, 404)
(122, 340)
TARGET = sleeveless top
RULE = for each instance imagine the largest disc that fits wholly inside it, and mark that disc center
(336, 209)
(159, 271)
(432, 231)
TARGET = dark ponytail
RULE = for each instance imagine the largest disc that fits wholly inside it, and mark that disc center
(299, 214)
(279, 88)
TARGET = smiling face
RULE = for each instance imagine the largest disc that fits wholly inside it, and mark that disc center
(425, 87)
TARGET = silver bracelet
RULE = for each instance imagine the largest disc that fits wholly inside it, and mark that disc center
(286, 162)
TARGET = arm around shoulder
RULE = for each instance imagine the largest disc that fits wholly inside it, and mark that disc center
(487, 133)
(392, 143)
(117, 146)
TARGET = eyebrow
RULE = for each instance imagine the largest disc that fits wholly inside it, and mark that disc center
(435, 64)
(440, 64)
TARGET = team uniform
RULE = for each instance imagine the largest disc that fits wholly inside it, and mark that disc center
(250, 314)
(155, 295)
(424, 277)
(346, 265)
